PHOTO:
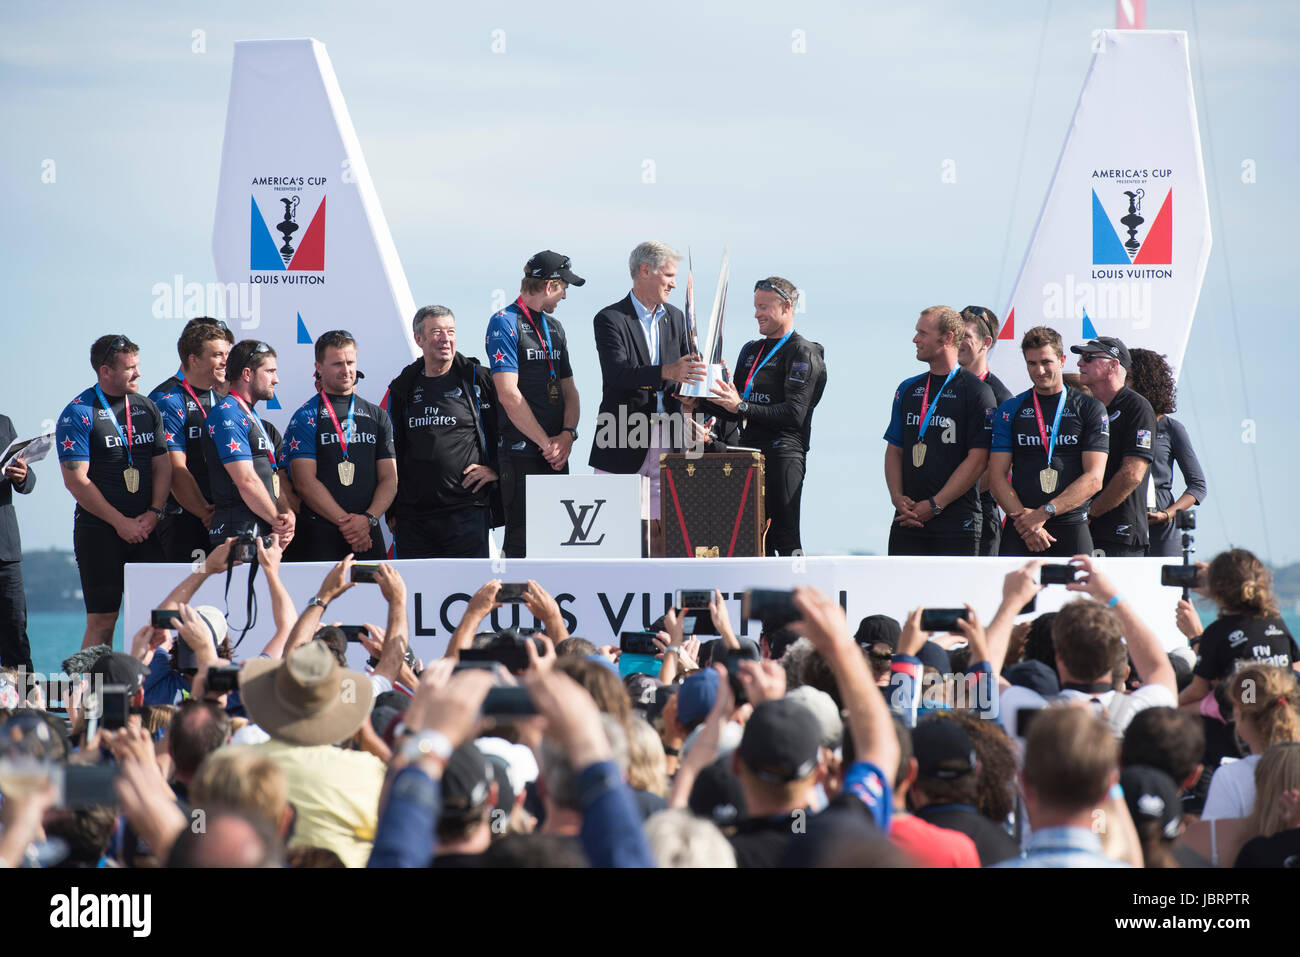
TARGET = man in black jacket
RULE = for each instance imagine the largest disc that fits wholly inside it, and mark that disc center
(645, 356)
(14, 649)
(778, 381)
(443, 408)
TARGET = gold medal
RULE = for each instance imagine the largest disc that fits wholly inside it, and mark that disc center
(553, 392)
(275, 486)
(347, 472)
(131, 476)
(1047, 480)
(918, 454)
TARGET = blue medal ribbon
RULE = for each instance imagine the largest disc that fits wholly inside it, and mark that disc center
(749, 383)
(928, 414)
(126, 442)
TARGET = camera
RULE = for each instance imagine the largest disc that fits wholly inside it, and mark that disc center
(1185, 520)
(513, 593)
(364, 574)
(508, 701)
(222, 679)
(244, 548)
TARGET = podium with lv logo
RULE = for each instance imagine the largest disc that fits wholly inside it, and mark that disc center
(712, 505)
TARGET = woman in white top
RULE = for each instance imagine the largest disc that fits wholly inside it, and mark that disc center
(1266, 710)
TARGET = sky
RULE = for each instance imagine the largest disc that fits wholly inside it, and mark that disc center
(824, 166)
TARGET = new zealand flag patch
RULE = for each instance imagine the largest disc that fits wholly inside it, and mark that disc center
(799, 371)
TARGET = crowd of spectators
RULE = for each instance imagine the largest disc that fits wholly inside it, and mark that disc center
(1070, 739)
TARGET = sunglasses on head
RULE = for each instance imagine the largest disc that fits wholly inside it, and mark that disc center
(338, 334)
(261, 347)
(209, 321)
(768, 286)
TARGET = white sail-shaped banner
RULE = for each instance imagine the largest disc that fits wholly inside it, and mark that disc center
(1123, 238)
(298, 219)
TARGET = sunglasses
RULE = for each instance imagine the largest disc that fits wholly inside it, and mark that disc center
(768, 286)
(208, 321)
(261, 347)
(1089, 356)
(338, 334)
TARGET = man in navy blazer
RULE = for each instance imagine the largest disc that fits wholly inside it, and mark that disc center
(15, 650)
(645, 356)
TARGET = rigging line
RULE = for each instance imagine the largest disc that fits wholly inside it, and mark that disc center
(1024, 145)
(1227, 271)
(1205, 458)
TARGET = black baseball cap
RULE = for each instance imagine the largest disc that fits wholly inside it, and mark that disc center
(943, 749)
(781, 741)
(551, 265)
(466, 781)
(878, 629)
(1152, 795)
(1106, 346)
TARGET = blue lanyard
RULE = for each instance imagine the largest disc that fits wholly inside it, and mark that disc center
(749, 383)
(126, 404)
(1056, 424)
(929, 413)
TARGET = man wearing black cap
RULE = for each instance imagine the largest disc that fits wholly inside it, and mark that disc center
(537, 398)
(645, 357)
(776, 764)
(469, 793)
(878, 636)
(946, 788)
(341, 457)
(1119, 512)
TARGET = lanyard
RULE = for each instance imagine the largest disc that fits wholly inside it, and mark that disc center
(927, 414)
(212, 399)
(270, 449)
(529, 316)
(329, 407)
(1056, 424)
(129, 438)
(756, 366)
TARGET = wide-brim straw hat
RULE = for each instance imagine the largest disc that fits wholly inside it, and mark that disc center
(306, 698)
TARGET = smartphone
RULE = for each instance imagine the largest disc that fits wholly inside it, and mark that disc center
(942, 619)
(512, 593)
(1056, 574)
(165, 618)
(514, 658)
(774, 608)
(1024, 717)
(693, 599)
(115, 707)
(638, 643)
(223, 678)
(1031, 606)
(1181, 576)
(508, 701)
(354, 632)
(364, 574)
(89, 785)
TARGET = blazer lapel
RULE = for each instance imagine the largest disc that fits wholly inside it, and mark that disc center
(635, 331)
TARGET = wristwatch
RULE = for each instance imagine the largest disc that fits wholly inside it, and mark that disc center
(159, 512)
(424, 743)
(742, 407)
(374, 522)
(935, 507)
(317, 601)
(1049, 510)
(572, 432)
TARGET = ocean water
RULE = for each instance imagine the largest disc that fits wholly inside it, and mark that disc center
(56, 635)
